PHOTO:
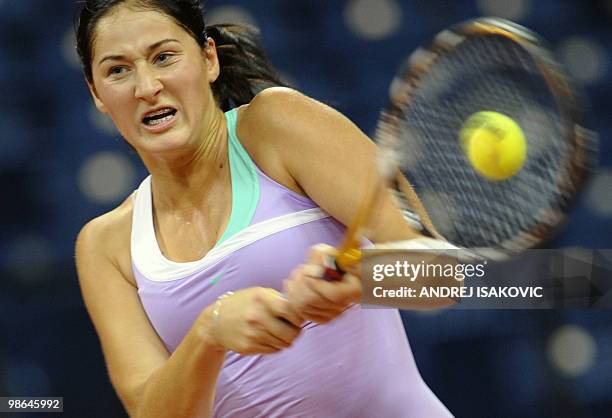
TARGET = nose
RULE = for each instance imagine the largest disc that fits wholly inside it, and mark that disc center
(148, 85)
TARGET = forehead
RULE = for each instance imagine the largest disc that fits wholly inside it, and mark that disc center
(126, 28)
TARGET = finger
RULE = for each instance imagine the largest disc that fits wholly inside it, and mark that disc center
(351, 286)
(328, 310)
(279, 335)
(288, 314)
(294, 287)
(277, 304)
(328, 293)
(279, 307)
(270, 307)
(325, 256)
(316, 271)
(321, 254)
(259, 349)
(343, 291)
(311, 314)
(321, 319)
(293, 295)
(302, 296)
(271, 331)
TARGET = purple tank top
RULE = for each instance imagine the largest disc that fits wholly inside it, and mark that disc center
(359, 365)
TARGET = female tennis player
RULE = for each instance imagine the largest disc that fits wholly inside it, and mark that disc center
(184, 279)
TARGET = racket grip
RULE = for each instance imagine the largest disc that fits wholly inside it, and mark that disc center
(333, 272)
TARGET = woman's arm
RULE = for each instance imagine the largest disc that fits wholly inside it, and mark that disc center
(150, 381)
(314, 149)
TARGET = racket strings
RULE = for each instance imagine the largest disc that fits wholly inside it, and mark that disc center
(485, 73)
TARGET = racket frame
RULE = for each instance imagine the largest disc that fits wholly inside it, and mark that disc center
(582, 141)
(413, 70)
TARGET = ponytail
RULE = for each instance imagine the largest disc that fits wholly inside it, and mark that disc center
(245, 68)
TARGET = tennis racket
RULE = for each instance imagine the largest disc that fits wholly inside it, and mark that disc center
(493, 65)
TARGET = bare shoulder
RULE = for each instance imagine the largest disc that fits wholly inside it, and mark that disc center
(264, 131)
(107, 238)
(275, 104)
(281, 118)
(281, 110)
(282, 126)
(325, 155)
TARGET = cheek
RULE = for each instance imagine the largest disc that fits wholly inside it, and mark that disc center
(193, 85)
(119, 103)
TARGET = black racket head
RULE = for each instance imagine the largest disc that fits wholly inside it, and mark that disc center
(488, 64)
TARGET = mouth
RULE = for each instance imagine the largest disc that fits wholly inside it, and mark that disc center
(159, 119)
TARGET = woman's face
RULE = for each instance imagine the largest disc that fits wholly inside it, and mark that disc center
(153, 79)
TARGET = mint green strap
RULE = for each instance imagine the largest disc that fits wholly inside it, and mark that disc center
(245, 182)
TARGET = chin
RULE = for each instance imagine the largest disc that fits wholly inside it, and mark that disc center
(166, 144)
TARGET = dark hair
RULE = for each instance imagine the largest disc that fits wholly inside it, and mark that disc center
(245, 69)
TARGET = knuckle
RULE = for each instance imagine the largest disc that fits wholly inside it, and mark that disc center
(316, 252)
(282, 344)
(251, 335)
(323, 249)
(259, 294)
(242, 348)
(253, 319)
(299, 306)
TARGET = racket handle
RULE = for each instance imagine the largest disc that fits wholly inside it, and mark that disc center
(333, 273)
(333, 265)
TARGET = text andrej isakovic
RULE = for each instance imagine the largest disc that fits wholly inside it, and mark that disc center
(460, 272)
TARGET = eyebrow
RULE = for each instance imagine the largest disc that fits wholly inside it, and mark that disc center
(149, 49)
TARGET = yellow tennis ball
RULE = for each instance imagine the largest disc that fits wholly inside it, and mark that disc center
(494, 145)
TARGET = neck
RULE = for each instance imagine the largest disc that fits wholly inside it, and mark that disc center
(182, 181)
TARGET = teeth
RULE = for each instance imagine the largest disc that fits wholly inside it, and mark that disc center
(159, 112)
(159, 121)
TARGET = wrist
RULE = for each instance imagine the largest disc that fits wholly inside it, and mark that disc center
(210, 322)
(207, 332)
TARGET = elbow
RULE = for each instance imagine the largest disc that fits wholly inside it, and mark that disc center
(132, 398)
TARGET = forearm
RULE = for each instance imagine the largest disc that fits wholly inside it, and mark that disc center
(185, 385)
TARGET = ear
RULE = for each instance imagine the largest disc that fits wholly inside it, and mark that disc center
(209, 54)
(94, 94)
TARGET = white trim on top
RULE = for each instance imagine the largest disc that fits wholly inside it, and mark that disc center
(150, 262)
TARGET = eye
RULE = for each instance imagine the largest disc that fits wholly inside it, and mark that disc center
(116, 70)
(163, 58)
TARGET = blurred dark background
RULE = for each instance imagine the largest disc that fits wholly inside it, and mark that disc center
(61, 164)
